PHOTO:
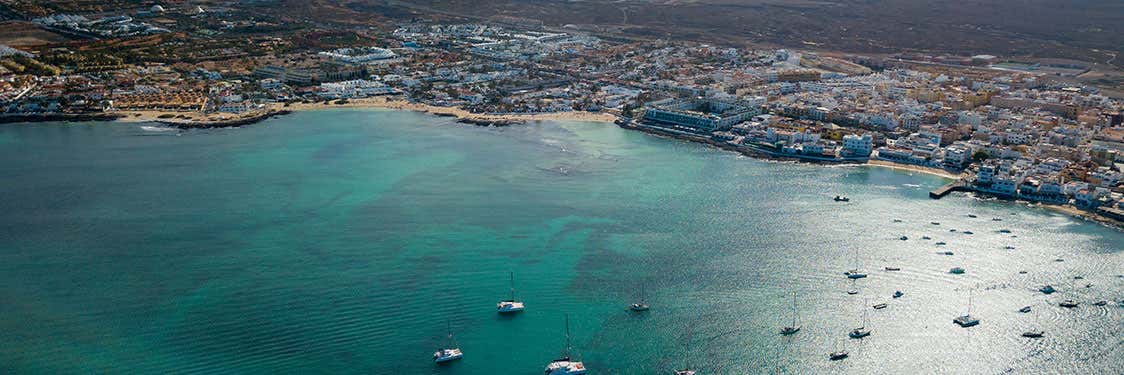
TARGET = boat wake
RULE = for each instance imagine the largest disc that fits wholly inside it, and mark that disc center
(157, 129)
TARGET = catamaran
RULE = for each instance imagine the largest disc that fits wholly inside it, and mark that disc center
(451, 353)
(794, 327)
(510, 305)
(639, 306)
(565, 365)
(967, 320)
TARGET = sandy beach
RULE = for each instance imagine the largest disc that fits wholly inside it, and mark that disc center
(394, 103)
(913, 168)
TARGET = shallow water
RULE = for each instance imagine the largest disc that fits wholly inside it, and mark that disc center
(343, 241)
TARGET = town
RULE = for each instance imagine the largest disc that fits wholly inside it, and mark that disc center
(1001, 127)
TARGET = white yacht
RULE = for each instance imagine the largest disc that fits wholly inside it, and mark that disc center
(510, 305)
(793, 328)
(451, 353)
(565, 365)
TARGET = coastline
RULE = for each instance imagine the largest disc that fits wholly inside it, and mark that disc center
(386, 102)
(186, 120)
(913, 168)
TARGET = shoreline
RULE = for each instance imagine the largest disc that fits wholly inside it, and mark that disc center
(485, 119)
(482, 119)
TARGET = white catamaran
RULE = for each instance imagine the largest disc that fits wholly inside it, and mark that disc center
(511, 305)
(565, 365)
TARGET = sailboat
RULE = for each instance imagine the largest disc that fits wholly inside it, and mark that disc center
(794, 327)
(687, 370)
(853, 290)
(564, 365)
(838, 354)
(451, 353)
(510, 305)
(861, 331)
(855, 273)
(639, 306)
(967, 320)
(1035, 333)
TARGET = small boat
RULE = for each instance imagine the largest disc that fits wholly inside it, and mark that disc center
(793, 328)
(1025, 309)
(967, 320)
(934, 223)
(565, 365)
(855, 274)
(451, 353)
(898, 294)
(1078, 277)
(996, 219)
(839, 198)
(838, 354)
(893, 269)
(968, 232)
(956, 270)
(686, 370)
(510, 305)
(941, 243)
(1059, 260)
(1034, 333)
(446, 355)
(853, 290)
(1022, 272)
(880, 306)
(952, 230)
(1047, 289)
(1009, 247)
(972, 216)
(1068, 303)
(945, 253)
(1004, 231)
(903, 238)
(1100, 303)
(897, 220)
(860, 331)
(926, 238)
(641, 305)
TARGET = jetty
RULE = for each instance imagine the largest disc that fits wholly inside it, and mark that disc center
(950, 187)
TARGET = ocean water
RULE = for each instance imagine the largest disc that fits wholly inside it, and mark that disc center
(346, 241)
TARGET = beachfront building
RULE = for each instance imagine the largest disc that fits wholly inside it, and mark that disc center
(855, 145)
(360, 55)
(698, 115)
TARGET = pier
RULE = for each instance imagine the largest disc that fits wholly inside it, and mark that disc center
(950, 187)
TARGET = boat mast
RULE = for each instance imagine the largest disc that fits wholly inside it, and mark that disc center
(566, 354)
(513, 286)
(794, 309)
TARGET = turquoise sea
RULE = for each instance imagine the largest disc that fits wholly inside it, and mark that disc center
(346, 241)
